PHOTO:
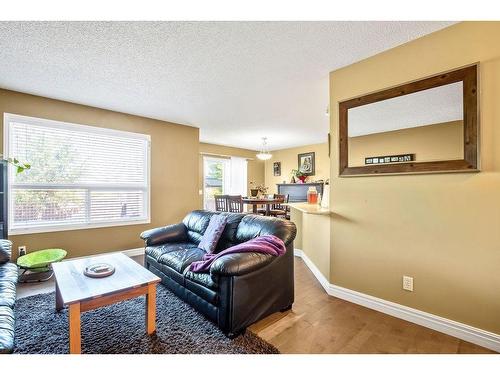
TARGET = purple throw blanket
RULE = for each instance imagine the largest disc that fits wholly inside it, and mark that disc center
(264, 244)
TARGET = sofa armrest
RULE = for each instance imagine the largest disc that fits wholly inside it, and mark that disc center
(170, 233)
(240, 264)
(5, 251)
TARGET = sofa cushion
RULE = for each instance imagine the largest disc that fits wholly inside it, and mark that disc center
(5, 251)
(172, 276)
(156, 252)
(213, 233)
(6, 329)
(228, 237)
(204, 279)
(209, 295)
(252, 226)
(8, 271)
(196, 223)
(7, 293)
(8, 279)
(180, 259)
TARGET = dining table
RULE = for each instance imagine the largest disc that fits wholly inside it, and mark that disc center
(255, 202)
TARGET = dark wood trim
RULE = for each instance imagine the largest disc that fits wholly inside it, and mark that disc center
(406, 168)
(313, 162)
(329, 144)
(469, 77)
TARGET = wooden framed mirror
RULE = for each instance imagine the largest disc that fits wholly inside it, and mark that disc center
(425, 126)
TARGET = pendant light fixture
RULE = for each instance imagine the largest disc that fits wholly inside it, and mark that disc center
(264, 154)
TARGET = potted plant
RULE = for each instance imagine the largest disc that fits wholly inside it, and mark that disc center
(262, 189)
(300, 175)
(256, 190)
(253, 189)
(20, 167)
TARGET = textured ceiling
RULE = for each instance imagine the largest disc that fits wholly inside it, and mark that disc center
(236, 81)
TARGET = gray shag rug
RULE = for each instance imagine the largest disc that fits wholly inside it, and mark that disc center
(120, 329)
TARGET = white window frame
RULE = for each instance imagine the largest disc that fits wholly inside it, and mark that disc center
(225, 175)
(146, 219)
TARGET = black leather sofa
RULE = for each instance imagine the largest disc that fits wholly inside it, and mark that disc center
(8, 280)
(240, 288)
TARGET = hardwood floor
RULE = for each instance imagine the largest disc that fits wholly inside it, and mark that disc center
(319, 323)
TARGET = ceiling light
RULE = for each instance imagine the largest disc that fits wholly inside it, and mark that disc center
(264, 154)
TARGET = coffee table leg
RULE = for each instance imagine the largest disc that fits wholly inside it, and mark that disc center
(75, 343)
(59, 303)
(151, 309)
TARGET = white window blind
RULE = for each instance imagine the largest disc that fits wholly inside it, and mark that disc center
(80, 177)
(238, 175)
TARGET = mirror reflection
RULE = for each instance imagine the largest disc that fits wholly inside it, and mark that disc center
(420, 127)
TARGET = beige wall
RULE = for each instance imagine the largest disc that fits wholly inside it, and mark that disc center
(442, 229)
(315, 247)
(255, 167)
(174, 185)
(288, 159)
(429, 143)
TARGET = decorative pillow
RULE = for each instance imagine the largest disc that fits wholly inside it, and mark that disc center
(212, 234)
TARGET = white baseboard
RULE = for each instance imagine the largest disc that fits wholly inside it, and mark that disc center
(462, 331)
(129, 252)
(134, 252)
(312, 267)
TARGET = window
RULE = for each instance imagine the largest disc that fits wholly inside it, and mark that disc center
(223, 176)
(80, 177)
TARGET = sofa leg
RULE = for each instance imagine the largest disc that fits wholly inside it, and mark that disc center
(286, 308)
(233, 335)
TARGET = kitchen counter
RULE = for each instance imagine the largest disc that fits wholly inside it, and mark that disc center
(314, 209)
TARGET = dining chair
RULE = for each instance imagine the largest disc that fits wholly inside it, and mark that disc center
(221, 203)
(279, 209)
(235, 203)
(261, 209)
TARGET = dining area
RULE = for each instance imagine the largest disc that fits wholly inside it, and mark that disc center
(275, 205)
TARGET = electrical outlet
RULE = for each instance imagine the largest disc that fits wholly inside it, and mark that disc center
(21, 250)
(408, 283)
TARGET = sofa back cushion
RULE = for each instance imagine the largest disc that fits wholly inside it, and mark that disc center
(213, 233)
(239, 228)
(196, 223)
(228, 237)
(252, 226)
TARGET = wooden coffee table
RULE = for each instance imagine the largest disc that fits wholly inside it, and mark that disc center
(81, 293)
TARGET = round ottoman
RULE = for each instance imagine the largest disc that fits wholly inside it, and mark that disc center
(36, 265)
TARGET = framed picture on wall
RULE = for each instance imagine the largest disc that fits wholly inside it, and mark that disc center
(277, 168)
(306, 163)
